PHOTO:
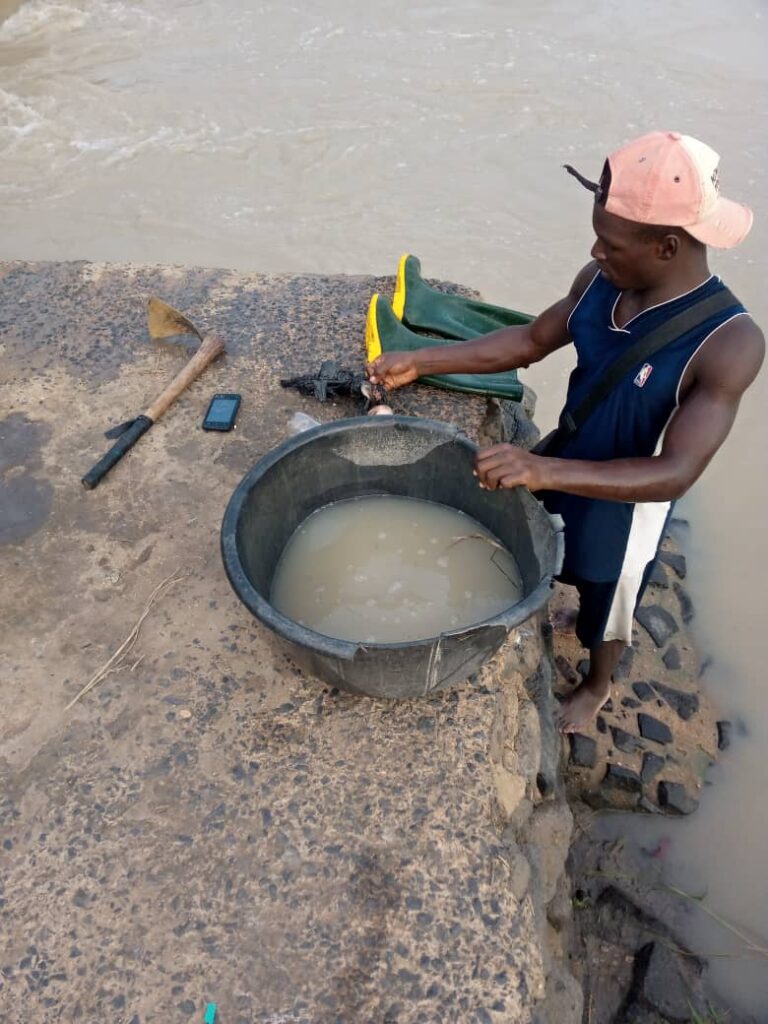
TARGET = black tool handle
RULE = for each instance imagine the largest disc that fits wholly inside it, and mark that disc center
(126, 441)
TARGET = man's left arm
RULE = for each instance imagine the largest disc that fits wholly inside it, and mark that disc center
(721, 374)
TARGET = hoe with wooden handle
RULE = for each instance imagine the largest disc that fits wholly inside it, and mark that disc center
(164, 322)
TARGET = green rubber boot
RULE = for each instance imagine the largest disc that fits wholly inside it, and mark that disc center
(423, 308)
(384, 332)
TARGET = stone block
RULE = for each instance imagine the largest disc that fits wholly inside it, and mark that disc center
(643, 691)
(658, 622)
(583, 750)
(685, 704)
(625, 741)
(564, 1000)
(675, 562)
(622, 778)
(548, 840)
(509, 788)
(671, 658)
(686, 604)
(669, 983)
(724, 733)
(658, 577)
(652, 729)
(674, 798)
(652, 765)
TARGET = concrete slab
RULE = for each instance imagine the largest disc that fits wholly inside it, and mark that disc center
(208, 824)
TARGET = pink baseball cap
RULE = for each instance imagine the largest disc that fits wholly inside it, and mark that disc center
(666, 178)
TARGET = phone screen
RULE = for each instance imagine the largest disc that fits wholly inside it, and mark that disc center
(222, 409)
(221, 412)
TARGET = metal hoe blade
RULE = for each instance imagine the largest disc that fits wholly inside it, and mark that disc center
(163, 321)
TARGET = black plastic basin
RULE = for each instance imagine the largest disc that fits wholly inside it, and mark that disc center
(396, 455)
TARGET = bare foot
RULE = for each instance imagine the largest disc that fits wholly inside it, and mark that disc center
(564, 620)
(580, 707)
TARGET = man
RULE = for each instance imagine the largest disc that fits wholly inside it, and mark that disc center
(657, 207)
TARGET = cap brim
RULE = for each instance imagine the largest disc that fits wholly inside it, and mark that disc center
(727, 225)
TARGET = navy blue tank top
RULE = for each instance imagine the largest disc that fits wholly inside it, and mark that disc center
(629, 422)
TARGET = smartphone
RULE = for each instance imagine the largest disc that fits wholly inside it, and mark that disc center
(222, 412)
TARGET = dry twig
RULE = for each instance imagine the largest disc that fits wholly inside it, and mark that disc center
(478, 536)
(755, 951)
(752, 945)
(116, 661)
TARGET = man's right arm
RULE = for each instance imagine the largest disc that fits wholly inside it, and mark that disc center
(507, 349)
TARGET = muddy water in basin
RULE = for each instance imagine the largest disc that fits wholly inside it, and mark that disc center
(385, 569)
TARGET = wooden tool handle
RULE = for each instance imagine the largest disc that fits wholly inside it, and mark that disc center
(208, 351)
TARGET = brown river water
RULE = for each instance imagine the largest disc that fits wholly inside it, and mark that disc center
(330, 137)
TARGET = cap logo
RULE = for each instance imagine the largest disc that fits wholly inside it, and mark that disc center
(716, 179)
